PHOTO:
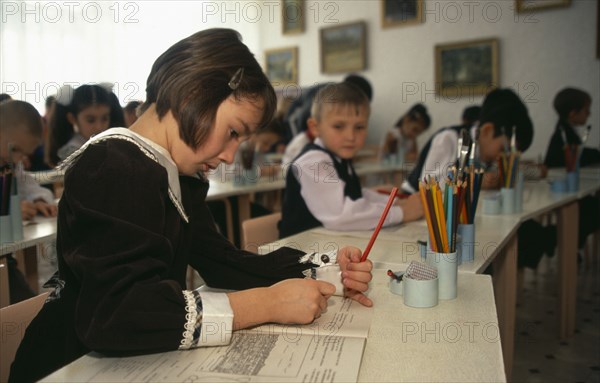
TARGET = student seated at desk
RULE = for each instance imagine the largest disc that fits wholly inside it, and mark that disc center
(20, 134)
(501, 111)
(322, 188)
(133, 216)
(402, 140)
(79, 114)
(573, 108)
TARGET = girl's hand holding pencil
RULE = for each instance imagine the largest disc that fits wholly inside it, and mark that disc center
(356, 275)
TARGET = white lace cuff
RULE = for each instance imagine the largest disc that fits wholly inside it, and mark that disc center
(217, 322)
(193, 317)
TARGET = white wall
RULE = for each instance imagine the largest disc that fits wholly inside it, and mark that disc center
(46, 44)
(51, 42)
(540, 53)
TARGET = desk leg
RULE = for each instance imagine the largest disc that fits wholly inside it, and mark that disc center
(567, 230)
(4, 293)
(243, 213)
(505, 293)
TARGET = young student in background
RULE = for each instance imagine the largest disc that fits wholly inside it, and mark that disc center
(133, 217)
(573, 108)
(300, 111)
(470, 115)
(322, 187)
(502, 109)
(20, 134)
(403, 138)
(79, 114)
(130, 111)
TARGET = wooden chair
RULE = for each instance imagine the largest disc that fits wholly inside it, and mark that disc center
(14, 319)
(259, 231)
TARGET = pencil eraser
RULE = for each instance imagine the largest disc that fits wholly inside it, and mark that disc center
(333, 275)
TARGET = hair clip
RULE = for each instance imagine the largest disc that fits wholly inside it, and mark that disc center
(236, 79)
(65, 95)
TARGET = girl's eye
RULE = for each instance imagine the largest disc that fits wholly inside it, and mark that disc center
(233, 133)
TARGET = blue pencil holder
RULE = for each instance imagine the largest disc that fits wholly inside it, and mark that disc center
(572, 182)
(508, 200)
(466, 244)
(519, 190)
(6, 229)
(558, 185)
(492, 204)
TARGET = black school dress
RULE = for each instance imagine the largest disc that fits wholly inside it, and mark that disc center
(125, 238)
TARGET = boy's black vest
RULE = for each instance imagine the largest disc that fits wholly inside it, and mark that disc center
(295, 216)
(413, 177)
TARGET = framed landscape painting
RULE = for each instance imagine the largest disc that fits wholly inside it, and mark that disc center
(343, 48)
(466, 68)
(292, 16)
(281, 65)
(396, 13)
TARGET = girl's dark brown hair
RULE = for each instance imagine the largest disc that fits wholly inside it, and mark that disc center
(191, 79)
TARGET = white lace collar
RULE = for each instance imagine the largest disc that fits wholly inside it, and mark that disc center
(151, 149)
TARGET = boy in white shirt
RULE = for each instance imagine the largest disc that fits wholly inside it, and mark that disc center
(322, 188)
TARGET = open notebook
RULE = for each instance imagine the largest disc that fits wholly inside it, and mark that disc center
(330, 349)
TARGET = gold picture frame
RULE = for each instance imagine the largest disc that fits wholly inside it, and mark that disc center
(536, 5)
(281, 65)
(292, 17)
(343, 48)
(397, 13)
(466, 68)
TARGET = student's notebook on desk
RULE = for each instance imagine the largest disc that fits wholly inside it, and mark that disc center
(330, 349)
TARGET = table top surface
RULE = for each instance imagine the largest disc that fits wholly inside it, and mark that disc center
(448, 342)
(396, 245)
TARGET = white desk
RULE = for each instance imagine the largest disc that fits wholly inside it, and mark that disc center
(496, 243)
(455, 341)
(224, 187)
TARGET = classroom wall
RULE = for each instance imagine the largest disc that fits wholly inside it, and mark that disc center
(539, 54)
(45, 44)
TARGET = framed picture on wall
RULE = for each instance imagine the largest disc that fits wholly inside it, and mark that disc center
(292, 16)
(466, 68)
(534, 5)
(282, 65)
(395, 13)
(343, 48)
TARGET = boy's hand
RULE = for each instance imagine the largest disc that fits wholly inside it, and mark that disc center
(31, 209)
(412, 208)
(45, 209)
(28, 210)
(356, 275)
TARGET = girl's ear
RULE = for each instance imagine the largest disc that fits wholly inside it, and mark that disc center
(73, 121)
(312, 124)
(71, 118)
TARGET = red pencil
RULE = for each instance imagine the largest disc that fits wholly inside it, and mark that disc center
(380, 224)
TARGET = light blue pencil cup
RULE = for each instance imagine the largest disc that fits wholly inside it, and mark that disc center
(519, 190)
(447, 268)
(508, 200)
(5, 229)
(573, 182)
(465, 244)
(558, 185)
(16, 219)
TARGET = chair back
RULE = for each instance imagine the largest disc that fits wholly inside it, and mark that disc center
(14, 320)
(259, 231)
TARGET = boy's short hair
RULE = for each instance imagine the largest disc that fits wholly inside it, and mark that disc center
(342, 93)
(504, 109)
(17, 114)
(362, 83)
(471, 114)
(570, 99)
(194, 76)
